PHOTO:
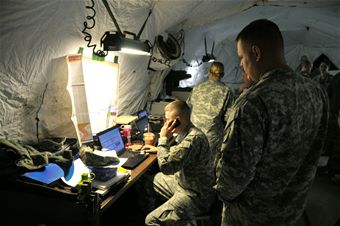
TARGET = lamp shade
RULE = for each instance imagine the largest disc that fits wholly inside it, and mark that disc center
(112, 41)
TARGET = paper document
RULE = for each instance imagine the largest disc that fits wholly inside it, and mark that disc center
(93, 89)
(126, 119)
(78, 168)
(74, 176)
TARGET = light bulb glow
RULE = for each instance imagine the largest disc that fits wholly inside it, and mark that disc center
(134, 51)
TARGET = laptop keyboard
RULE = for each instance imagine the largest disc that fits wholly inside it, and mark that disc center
(134, 158)
(133, 162)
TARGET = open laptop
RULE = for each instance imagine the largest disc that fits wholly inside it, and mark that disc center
(142, 124)
(112, 140)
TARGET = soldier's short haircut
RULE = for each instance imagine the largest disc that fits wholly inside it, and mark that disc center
(307, 63)
(179, 107)
(263, 33)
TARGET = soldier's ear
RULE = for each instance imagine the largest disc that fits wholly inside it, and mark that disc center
(257, 52)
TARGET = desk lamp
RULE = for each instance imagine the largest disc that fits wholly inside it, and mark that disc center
(117, 40)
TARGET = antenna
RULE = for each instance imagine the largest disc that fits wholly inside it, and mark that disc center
(142, 28)
(212, 49)
(208, 57)
(205, 45)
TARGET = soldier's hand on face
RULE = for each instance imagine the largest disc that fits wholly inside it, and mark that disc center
(168, 129)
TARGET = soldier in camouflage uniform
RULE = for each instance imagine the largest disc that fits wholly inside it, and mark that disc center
(306, 69)
(209, 102)
(303, 59)
(332, 145)
(273, 137)
(324, 78)
(187, 175)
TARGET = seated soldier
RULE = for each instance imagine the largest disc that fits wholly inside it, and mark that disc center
(187, 173)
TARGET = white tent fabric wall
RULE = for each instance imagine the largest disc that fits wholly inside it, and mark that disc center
(33, 35)
(322, 36)
(36, 34)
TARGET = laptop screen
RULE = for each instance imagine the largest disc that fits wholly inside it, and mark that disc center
(111, 139)
(142, 114)
(142, 124)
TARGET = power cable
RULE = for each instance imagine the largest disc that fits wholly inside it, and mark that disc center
(37, 113)
(88, 37)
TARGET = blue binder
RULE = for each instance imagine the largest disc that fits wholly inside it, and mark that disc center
(49, 174)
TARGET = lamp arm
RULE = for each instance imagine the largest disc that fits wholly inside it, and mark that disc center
(142, 28)
(112, 16)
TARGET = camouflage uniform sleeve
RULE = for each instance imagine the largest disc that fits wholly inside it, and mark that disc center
(227, 104)
(241, 149)
(171, 159)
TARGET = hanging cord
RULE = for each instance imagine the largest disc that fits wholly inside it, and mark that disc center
(37, 113)
(88, 36)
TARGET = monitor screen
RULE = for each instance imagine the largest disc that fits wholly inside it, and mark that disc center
(111, 139)
(142, 124)
(142, 114)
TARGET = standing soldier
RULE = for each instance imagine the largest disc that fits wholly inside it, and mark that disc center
(273, 138)
(209, 102)
(324, 78)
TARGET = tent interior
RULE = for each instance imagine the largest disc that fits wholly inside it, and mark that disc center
(37, 36)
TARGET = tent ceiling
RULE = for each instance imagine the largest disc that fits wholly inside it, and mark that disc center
(200, 12)
(36, 35)
(221, 19)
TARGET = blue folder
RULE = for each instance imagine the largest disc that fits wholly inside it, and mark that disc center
(49, 174)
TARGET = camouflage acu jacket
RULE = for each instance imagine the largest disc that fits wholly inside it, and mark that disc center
(209, 102)
(324, 80)
(273, 139)
(191, 162)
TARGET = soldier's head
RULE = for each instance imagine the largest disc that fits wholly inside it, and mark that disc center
(260, 48)
(306, 67)
(179, 110)
(303, 59)
(323, 68)
(216, 71)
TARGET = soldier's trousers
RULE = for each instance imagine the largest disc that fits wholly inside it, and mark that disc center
(179, 209)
